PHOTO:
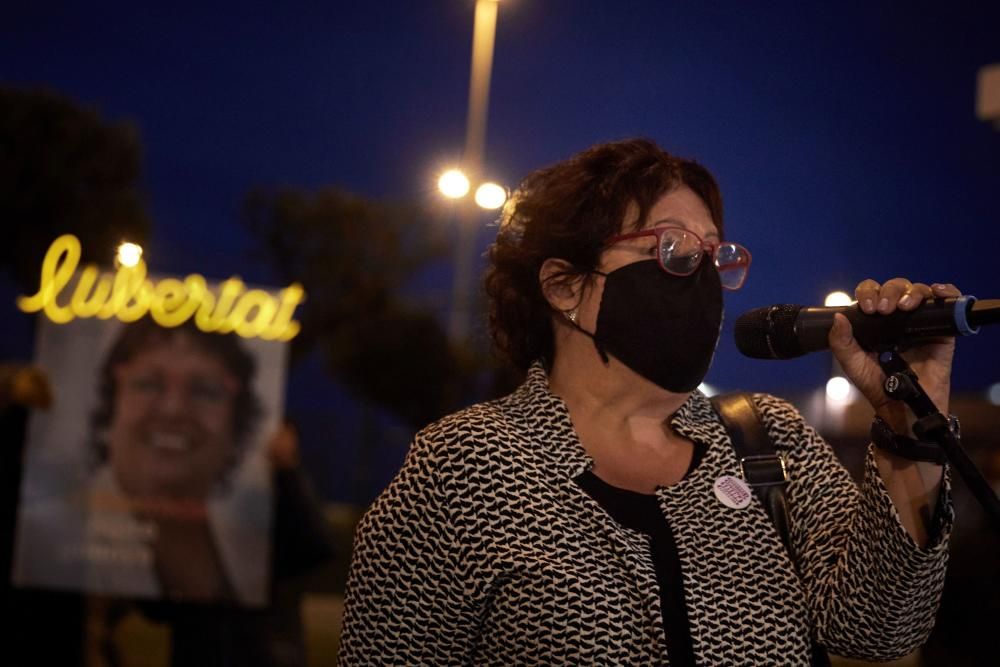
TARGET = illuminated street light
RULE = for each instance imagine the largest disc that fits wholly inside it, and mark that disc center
(838, 299)
(490, 196)
(129, 254)
(838, 390)
(453, 184)
(993, 393)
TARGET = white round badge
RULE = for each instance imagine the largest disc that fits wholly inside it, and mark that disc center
(732, 492)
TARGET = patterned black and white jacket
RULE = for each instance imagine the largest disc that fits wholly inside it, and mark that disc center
(484, 551)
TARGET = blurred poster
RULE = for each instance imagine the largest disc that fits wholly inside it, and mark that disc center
(149, 476)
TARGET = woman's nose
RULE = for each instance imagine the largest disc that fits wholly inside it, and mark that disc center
(174, 400)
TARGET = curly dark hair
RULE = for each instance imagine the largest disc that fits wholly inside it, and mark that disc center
(567, 211)
(138, 336)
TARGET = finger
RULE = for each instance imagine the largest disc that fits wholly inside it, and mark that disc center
(890, 294)
(30, 387)
(283, 447)
(841, 336)
(914, 296)
(945, 290)
(866, 293)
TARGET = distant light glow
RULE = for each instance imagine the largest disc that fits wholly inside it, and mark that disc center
(490, 196)
(838, 390)
(994, 394)
(838, 299)
(453, 184)
(708, 389)
(129, 254)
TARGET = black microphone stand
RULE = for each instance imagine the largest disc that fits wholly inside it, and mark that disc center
(932, 426)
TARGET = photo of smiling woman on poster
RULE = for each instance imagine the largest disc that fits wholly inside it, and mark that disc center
(175, 502)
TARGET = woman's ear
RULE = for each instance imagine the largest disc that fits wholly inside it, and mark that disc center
(561, 288)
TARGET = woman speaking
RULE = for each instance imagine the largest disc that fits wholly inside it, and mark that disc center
(580, 519)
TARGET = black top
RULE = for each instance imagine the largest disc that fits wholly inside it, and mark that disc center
(641, 512)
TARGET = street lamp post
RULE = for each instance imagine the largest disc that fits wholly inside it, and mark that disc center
(483, 37)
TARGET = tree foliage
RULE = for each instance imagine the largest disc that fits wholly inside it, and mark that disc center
(64, 169)
(354, 256)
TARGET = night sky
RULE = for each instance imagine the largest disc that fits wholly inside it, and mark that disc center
(843, 134)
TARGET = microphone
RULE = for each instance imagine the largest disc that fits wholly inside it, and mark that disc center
(787, 331)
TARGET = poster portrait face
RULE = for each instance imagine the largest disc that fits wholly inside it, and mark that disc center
(175, 408)
(154, 447)
(171, 433)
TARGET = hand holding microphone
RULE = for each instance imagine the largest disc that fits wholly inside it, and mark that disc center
(886, 314)
(931, 360)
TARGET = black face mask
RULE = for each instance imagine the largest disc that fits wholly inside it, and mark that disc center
(663, 327)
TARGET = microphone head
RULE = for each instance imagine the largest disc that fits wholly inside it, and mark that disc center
(769, 333)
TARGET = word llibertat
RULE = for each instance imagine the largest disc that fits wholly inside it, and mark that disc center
(130, 294)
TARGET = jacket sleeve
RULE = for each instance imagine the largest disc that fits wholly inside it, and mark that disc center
(873, 593)
(405, 601)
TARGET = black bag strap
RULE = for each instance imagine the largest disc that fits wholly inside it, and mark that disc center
(760, 465)
(763, 469)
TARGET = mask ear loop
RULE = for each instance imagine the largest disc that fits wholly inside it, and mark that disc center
(571, 316)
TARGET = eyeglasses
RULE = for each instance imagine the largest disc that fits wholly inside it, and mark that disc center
(200, 392)
(679, 253)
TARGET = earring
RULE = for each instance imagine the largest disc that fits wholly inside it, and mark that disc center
(570, 315)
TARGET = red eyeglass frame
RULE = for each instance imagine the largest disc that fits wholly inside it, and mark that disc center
(707, 246)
